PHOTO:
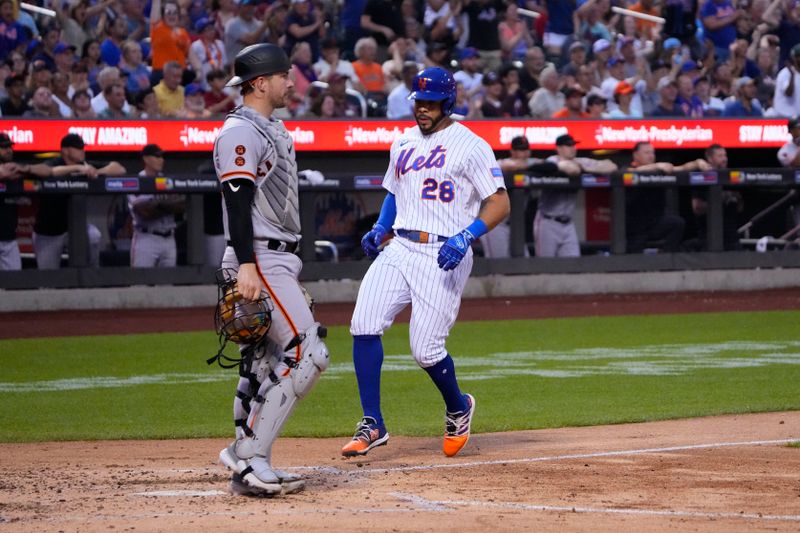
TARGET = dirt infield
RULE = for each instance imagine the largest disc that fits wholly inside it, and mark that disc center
(717, 474)
(720, 474)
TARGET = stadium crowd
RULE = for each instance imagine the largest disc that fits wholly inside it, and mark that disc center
(529, 58)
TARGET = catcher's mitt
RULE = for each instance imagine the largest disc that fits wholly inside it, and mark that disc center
(236, 319)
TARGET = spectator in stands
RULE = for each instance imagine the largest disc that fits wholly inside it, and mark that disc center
(712, 106)
(393, 68)
(323, 106)
(547, 99)
(687, 100)
(64, 58)
(577, 58)
(745, 104)
(483, 18)
(398, 104)
(217, 100)
(470, 74)
(147, 105)
(783, 18)
(368, 70)
(626, 50)
(90, 56)
(623, 96)
(42, 105)
(647, 29)
(17, 63)
(60, 90)
(594, 21)
(732, 206)
(596, 106)
(789, 154)
(786, 101)
(207, 53)
(646, 216)
(75, 22)
(492, 101)
(722, 86)
(573, 104)
(560, 25)
(515, 37)
(437, 55)
(51, 36)
(350, 21)
(719, 20)
(133, 13)
(13, 35)
(345, 106)
(741, 65)
(616, 74)
(445, 22)
(331, 61)
(115, 98)
(383, 21)
(15, 104)
(82, 104)
(515, 101)
(585, 80)
(111, 47)
(107, 77)
(668, 93)
(41, 76)
(602, 51)
(79, 80)
(194, 103)
(138, 74)
(303, 75)
(553, 227)
(169, 91)
(244, 29)
(169, 41)
(275, 16)
(532, 67)
(304, 23)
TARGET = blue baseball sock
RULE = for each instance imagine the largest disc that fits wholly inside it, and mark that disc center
(443, 375)
(367, 360)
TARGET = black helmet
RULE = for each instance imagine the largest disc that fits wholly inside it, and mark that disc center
(258, 60)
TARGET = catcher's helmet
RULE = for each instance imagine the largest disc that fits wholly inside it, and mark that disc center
(258, 60)
(435, 84)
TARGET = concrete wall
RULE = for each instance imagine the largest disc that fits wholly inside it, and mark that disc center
(478, 287)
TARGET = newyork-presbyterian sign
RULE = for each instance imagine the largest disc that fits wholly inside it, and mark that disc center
(377, 135)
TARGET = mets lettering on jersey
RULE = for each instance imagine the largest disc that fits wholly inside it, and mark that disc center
(439, 180)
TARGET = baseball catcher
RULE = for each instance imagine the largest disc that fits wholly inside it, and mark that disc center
(265, 311)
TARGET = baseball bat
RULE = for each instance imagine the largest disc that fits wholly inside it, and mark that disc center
(637, 15)
(37, 9)
(528, 13)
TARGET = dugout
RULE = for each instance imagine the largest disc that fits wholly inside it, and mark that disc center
(339, 209)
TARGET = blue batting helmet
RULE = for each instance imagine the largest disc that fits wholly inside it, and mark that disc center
(435, 84)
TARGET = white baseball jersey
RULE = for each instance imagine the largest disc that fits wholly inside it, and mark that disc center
(439, 180)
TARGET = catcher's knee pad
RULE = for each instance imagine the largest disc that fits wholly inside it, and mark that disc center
(313, 361)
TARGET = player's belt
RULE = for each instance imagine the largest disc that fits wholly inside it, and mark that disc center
(561, 219)
(278, 246)
(161, 233)
(420, 236)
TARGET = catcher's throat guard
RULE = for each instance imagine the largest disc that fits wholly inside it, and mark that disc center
(236, 319)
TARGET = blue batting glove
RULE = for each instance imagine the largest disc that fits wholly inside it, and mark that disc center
(454, 249)
(372, 240)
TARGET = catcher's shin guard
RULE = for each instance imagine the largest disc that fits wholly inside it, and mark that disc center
(277, 397)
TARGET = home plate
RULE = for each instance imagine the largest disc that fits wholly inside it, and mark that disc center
(160, 493)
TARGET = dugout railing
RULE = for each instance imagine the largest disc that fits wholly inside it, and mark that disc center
(79, 274)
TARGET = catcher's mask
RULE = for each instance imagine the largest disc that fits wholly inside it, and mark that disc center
(236, 319)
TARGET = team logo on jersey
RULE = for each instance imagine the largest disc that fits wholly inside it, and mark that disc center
(239, 161)
(240, 150)
(435, 159)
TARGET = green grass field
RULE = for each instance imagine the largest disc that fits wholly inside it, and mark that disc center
(524, 375)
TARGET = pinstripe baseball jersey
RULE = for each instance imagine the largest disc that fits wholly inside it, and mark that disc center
(439, 180)
(263, 154)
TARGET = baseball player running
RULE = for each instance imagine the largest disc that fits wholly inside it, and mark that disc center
(254, 159)
(445, 190)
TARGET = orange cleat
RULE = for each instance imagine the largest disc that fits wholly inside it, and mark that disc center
(368, 435)
(456, 430)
